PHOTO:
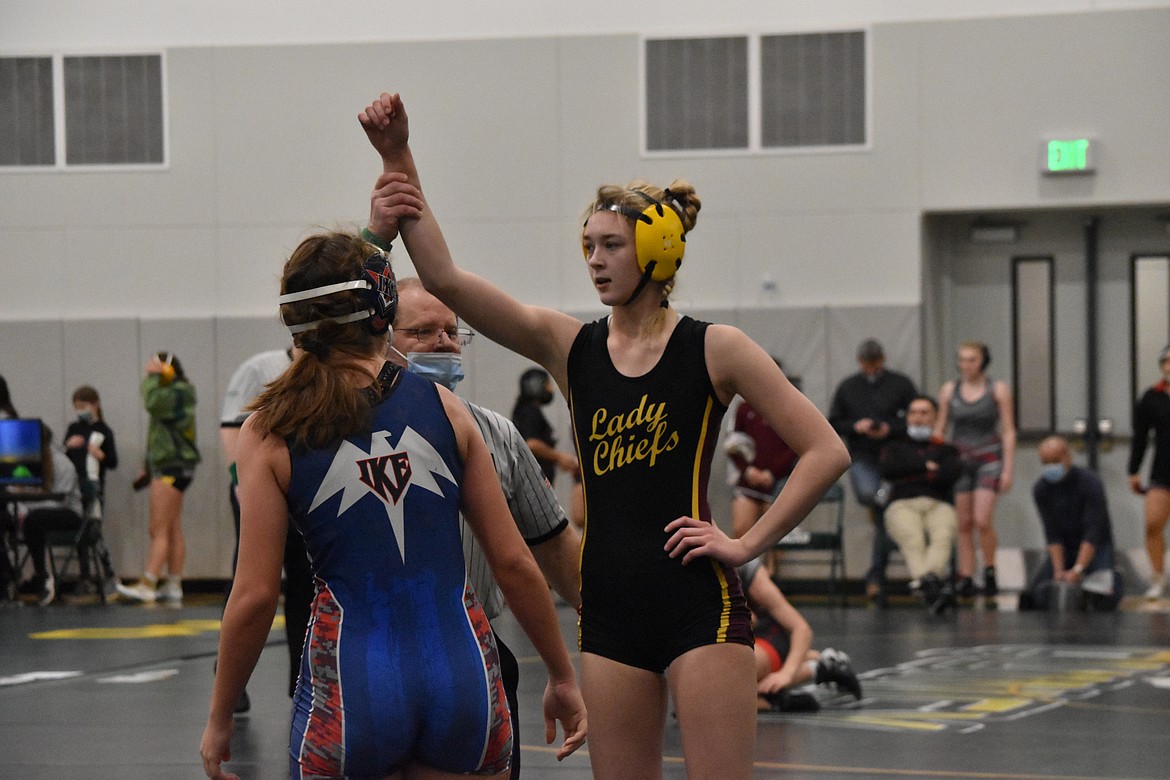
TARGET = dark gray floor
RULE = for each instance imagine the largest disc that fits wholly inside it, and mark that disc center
(985, 694)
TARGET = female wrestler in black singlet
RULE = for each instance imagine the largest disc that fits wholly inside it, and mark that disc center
(662, 607)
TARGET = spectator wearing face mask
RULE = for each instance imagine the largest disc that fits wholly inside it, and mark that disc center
(536, 390)
(1072, 507)
(920, 517)
(89, 443)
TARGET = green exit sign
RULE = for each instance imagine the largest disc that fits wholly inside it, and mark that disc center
(1067, 155)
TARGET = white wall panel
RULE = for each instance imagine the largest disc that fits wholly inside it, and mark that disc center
(30, 23)
(992, 89)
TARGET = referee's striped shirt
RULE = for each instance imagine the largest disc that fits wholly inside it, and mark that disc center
(534, 506)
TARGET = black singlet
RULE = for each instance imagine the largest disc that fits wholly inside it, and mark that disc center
(645, 446)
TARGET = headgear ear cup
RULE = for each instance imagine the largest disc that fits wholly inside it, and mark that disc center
(659, 238)
(167, 374)
(382, 295)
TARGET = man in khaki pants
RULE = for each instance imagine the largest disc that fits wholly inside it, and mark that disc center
(920, 517)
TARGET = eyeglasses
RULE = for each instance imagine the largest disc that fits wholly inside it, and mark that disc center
(462, 336)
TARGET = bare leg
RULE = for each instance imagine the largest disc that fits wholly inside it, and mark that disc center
(165, 506)
(985, 524)
(714, 691)
(419, 772)
(1157, 509)
(965, 541)
(177, 552)
(627, 717)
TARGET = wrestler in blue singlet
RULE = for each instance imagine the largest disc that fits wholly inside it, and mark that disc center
(399, 662)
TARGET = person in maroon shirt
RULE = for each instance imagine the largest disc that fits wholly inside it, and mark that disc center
(760, 462)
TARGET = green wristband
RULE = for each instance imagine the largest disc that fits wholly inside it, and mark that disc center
(372, 238)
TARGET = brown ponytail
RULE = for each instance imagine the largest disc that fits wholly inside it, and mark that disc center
(321, 398)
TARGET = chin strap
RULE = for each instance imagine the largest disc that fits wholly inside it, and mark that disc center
(643, 282)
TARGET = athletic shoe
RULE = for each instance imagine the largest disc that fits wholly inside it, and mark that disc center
(47, 592)
(833, 666)
(990, 586)
(943, 601)
(172, 590)
(930, 588)
(140, 591)
(109, 588)
(792, 701)
(965, 588)
(1157, 587)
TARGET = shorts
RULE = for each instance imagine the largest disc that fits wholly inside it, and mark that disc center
(773, 640)
(179, 479)
(979, 470)
(652, 639)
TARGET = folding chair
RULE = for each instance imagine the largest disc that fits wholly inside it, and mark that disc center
(81, 535)
(87, 547)
(828, 539)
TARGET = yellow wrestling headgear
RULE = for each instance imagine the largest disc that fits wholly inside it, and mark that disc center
(659, 237)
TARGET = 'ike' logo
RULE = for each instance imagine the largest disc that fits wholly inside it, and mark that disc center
(389, 487)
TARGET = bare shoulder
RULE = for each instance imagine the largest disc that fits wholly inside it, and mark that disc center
(259, 441)
(460, 416)
(736, 363)
(728, 340)
(258, 448)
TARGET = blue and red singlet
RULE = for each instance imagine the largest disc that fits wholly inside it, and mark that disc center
(399, 662)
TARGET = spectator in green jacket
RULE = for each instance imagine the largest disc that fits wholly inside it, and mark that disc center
(171, 456)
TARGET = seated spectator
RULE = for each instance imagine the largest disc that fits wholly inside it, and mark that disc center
(62, 512)
(1071, 502)
(785, 659)
(7, 522)
(6, 407)
(89, 443)
(758, 463)
(920, 516)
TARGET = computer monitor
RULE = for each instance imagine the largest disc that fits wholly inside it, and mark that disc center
(20, 453)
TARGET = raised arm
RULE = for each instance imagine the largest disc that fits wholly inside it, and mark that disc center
(520, 579)
(538, 333)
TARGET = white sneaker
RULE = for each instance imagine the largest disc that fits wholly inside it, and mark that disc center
(139, 591)
(172, 590)
(1157, 587)
(47, 593)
